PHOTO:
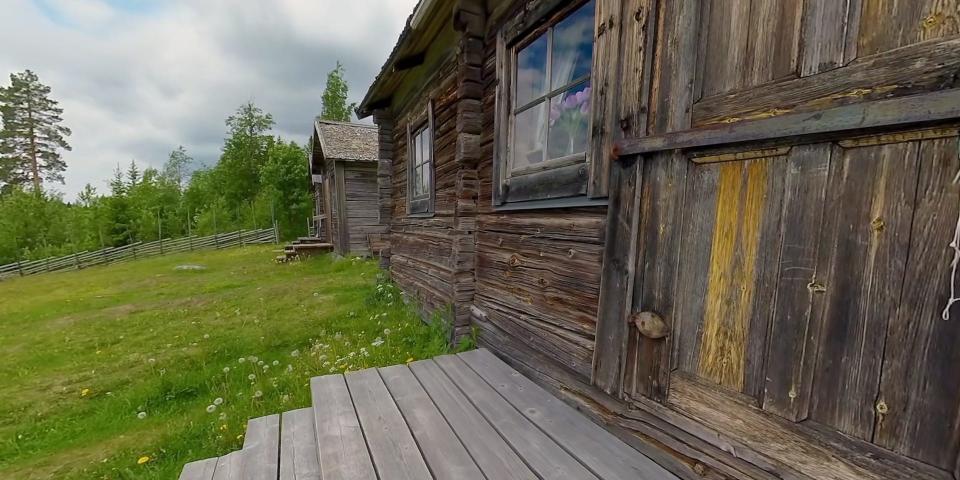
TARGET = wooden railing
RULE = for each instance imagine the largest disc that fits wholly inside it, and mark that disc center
(137, 250)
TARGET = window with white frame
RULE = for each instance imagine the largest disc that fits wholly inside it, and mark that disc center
(549, 107)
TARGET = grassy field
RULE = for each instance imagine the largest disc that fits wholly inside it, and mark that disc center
(128, 371)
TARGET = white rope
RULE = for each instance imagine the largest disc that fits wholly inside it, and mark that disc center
(955, 245)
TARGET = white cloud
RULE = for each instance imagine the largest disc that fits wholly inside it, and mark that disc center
(136, 81)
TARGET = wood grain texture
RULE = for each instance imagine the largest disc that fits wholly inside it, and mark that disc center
(445, 455)
(394, 451)
(539, 452)
(199, 470)
(299, 453)
(229, 467)
(343, 450)
(605, 93)
(605, 456)
(496, 458)
(922, 418)
(888, 24)
(919, 68)
(261, 446)
(866, 235)
(792, 349)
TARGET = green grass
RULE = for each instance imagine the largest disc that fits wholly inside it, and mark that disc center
(83, 353)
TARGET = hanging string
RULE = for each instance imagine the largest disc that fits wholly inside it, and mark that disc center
(955, 245)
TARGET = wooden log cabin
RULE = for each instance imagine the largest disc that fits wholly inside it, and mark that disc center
(343, 172)
(720, 228)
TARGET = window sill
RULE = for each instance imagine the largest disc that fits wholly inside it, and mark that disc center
(569, 202)
(421, 215)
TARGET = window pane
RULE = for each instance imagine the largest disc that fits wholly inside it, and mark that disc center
(528, 136)
(425, 179)
(427, 141)
(569, 120)
(531, 71)
(573, 47)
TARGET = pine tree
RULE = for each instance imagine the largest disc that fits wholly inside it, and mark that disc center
(32, 137)
(335, 97)
(175, 170)
(133, 174)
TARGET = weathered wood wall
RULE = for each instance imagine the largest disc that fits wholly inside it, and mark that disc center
(361, 193)
(538, 271)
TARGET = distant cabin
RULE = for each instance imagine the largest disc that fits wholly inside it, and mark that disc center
(343, 172)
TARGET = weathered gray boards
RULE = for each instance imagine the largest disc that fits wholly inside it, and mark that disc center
(738, 257)
(343, 170)
(463, 417)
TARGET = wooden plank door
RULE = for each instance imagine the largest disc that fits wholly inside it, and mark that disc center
(777, 230)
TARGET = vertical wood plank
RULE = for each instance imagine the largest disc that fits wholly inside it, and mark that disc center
(872, 191)
(918, 387)
(605, 92)
(394, 451)
(261, 446)
(343, 450)
(791, 352)
(889, 24)
(199, 470)
(662, 219)
(825, 29)
(773, 48)
(725, 29)
(674, 71)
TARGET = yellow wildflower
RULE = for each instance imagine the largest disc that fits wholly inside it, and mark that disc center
(409, 359)
(84, 392)
(142, 460)
(223, 427)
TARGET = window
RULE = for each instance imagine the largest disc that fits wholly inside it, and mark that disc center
(549, 109)
(420, 170)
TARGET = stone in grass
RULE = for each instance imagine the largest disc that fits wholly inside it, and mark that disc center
(189, 267)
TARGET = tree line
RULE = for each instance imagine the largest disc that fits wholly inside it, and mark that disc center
(260, 179)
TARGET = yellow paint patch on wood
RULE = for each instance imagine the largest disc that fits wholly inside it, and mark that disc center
(730, 288)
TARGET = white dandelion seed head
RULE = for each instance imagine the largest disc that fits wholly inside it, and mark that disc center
(251, 377)
(257, 394)
(275, 363)
(260, 362)
(218, 401)
(386, 331)
(241, 360)
(226, 369)
(152, 360)
(206, 335)
(142, 415)
(211, 408)
(295, 353)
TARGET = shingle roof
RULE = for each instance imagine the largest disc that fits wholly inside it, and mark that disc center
(347, 141)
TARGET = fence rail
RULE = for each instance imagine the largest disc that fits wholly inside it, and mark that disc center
(111, 255)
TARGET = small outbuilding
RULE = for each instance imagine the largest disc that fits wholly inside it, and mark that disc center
(343, 172)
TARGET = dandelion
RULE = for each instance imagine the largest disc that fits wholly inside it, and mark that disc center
(326, 364)
(223, 416)
(211, 408)
(266, 367)
(218, 401)
(257, 394)
(226, 369)
(84, 392)
(151, 361)
(142, 415)
(252, 358)
(142, 460)
(295, 353)
(377, 342)
(386, 331)
(251, 377)
(289, 368)
(223, 427)
(276, 362)
(322, 357)
(206, 335)
(409, 359)
(260, 362)
(241, 360)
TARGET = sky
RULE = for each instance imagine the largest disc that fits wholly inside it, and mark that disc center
(137, 78)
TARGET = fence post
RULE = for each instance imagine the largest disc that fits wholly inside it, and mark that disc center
(47, 264)
(216, 242)
(276, 233)
(76, 260)
(240, 237)
(19, 268)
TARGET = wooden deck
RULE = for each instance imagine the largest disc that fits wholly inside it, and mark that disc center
(466, 416)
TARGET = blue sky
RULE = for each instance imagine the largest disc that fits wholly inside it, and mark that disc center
(137, 78)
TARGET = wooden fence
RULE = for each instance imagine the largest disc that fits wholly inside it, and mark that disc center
(137, 250)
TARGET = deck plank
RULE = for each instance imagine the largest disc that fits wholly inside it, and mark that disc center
(394, 451)
(343, 450)
(299, 458)
(445, 455)
(229, 466)
(261, 447)
(494, 457)
(604, 454)
(199, 470)
(538, 450)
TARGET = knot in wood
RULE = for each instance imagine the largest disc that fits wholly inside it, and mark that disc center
(877, 224)
(514, 260)
(572, 253)
(882, 407)
(815, 287)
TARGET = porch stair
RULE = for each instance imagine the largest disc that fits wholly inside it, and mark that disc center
(465, 416)
(303, 247)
